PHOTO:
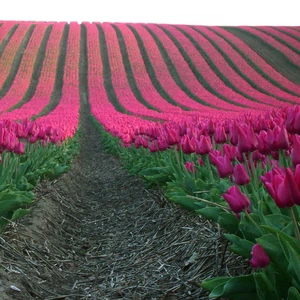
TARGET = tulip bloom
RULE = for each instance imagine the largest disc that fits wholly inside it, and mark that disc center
(187, 145)
(190, 167)
(236, 200)
(220, 135)
(283, 186)
(295, 152)
(259, 259)
(243, 141)
(224, 166)
(240, 174)
(203, 146)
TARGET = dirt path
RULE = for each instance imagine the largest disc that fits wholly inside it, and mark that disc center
(97, 233)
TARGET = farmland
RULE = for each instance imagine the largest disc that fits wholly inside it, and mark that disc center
(206, 117)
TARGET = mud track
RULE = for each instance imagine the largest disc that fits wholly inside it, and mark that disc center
(97, 233)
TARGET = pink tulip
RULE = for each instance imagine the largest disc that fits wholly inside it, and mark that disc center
(203, 146)
(211, 128)
(220, 135)
(283, 186)
(200, 161)
(240, 174)
(259, 259)
(282, 139)
(19, 148)
(295, 152)
(236, 200)
(243, 141)
(187, 145)
(224, 166)
(190, 167)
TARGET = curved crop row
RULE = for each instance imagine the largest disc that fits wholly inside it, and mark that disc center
(161, 78)
(24, 73)
(257, 62)
(220, 80)
(4, 30)
(282, 37)
(196, 85)
(11, 49)
(46, 80)
(275, 53)
(249, 80)
(119, 79)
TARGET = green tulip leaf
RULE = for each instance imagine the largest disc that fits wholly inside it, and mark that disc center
(293, 294)
(229, 222)
(240, 246)
(266, 289)
(236, 288)
(210, 213)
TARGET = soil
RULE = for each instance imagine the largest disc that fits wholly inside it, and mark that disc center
(98, 233)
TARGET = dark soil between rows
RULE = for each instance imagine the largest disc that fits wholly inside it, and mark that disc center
(97, 233)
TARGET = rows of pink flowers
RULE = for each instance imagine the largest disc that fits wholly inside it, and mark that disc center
(255, 58)
(242, 65)
(294, 57)
(289, 40)
(62, 122)
(190, 79)
(101, 108)
(5, 28)
(64, 118)
(142, 79)
(164, 77)
(144, 83)
(290, 31)
(23, 76)
(42, 95)
(11, 49)
(211, 77)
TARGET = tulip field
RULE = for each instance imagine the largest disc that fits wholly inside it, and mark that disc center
(210, 114)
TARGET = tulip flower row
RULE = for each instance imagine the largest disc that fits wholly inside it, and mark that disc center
(44, 144)
(5, 28)
(187, 77)
(45, 85)
(22, 79)
(11, 49)
(147, 50)
(253, 58)
(276, 34)
(289, 31)
(65, 116)
(294, 57)
(267, 93)
(210, 70)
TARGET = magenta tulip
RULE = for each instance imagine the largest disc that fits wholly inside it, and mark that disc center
(224, 166)
(187, 145)
(190, 167)
(211, 128)
(278, 186)
(220, 135)
(259, 259)
(243, 141)
(282, 139)
(236, 200)
(295, 152)
(240, 174)
(203, 146)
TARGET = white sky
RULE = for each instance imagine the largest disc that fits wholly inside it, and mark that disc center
(198, 12)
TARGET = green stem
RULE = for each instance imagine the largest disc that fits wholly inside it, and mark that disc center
(207, 162)
(296, 227)
(254, 223)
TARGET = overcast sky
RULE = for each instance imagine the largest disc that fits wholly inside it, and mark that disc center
(198, 12)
